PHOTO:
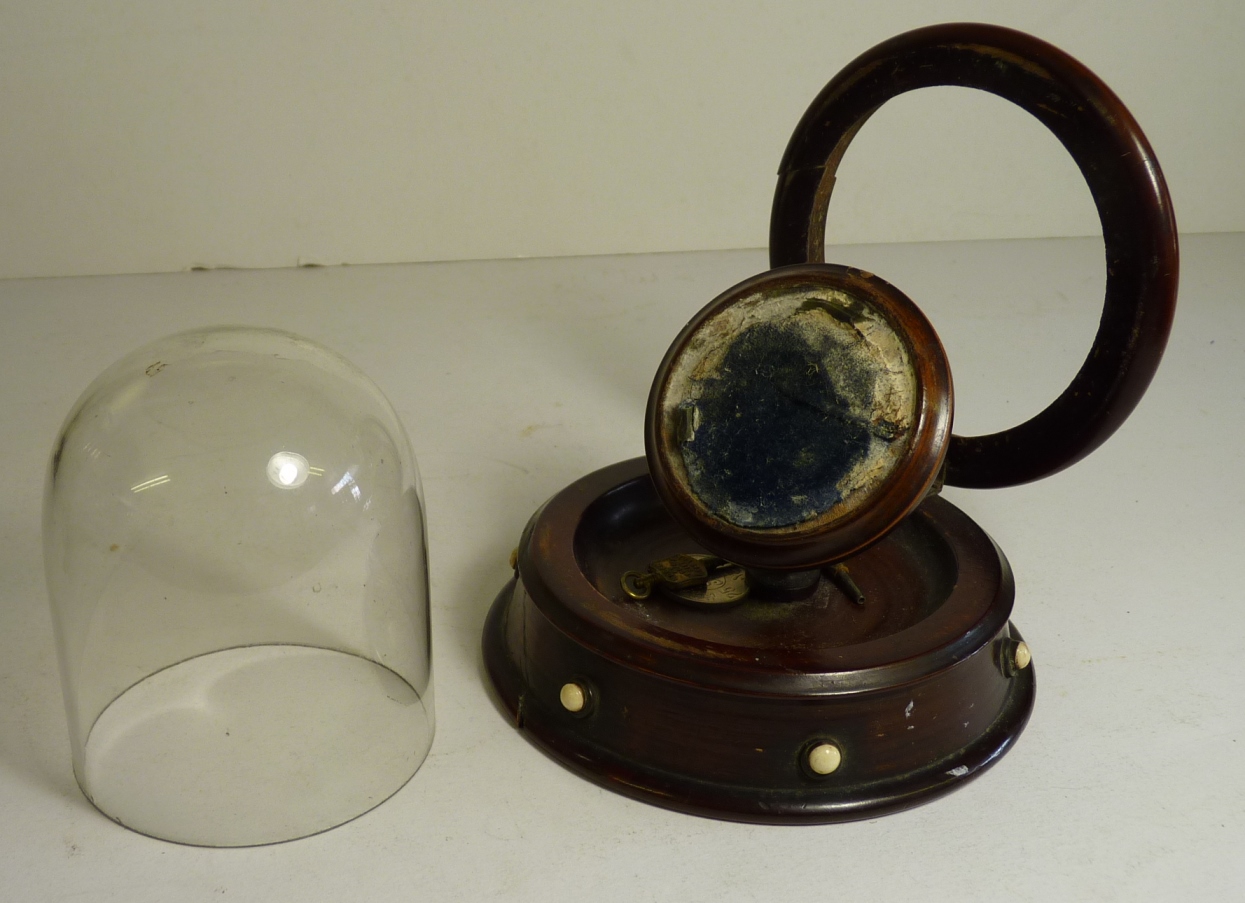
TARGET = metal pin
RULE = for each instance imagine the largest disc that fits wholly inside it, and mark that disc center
(841, 578)
(689, 422)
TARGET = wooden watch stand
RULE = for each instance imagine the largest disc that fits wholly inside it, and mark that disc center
(812, 707)
(715, 712)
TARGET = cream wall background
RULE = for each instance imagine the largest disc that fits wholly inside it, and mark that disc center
(157, 135)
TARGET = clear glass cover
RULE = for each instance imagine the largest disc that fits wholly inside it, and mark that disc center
(237, 567)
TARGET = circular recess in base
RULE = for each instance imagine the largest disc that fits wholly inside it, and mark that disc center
(716, 712)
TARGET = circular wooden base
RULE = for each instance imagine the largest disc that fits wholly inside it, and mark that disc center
(729, 714)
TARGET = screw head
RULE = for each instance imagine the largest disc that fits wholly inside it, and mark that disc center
(1022, 656)
(573, 697)
(824, 758)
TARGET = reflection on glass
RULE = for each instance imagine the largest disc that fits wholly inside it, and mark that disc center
(149, 484)
(288, 470)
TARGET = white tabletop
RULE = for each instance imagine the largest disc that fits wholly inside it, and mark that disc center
(516, 377)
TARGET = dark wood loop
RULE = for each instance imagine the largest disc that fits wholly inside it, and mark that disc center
(1138, 225)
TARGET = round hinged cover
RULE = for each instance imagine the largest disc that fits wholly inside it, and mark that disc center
(799, 416)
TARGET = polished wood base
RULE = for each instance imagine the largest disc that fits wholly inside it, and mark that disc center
(716, 712)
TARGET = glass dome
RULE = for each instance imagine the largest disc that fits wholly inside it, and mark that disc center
(237, 568)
